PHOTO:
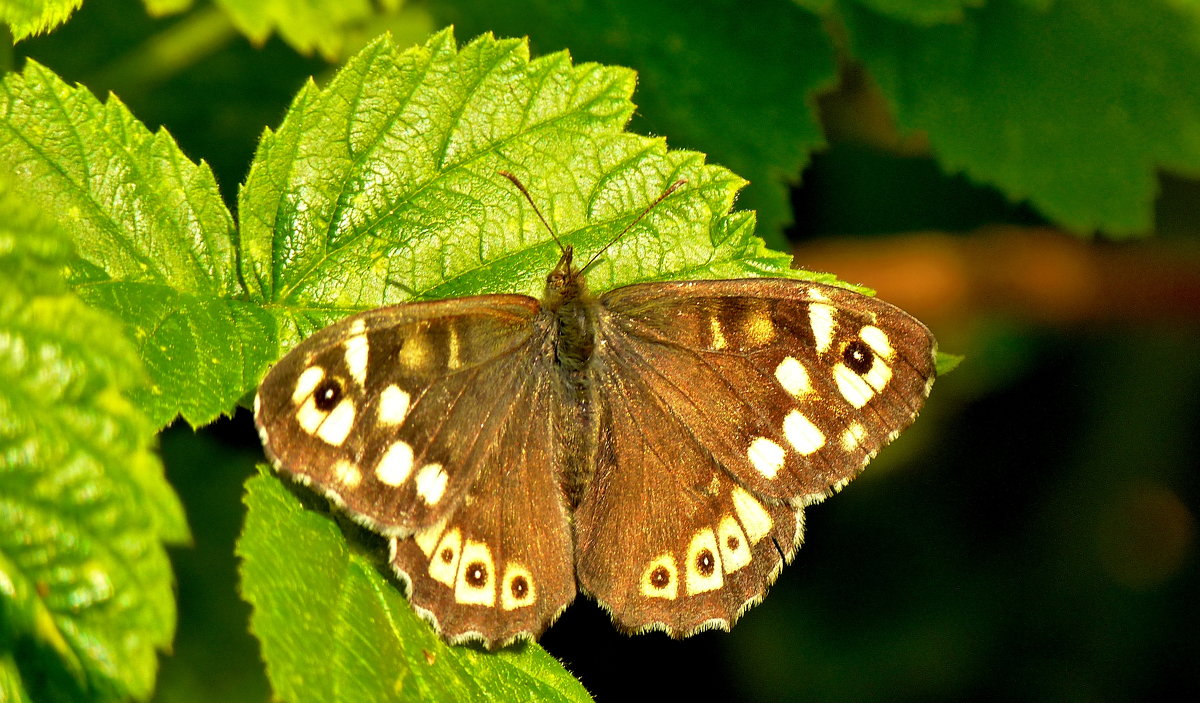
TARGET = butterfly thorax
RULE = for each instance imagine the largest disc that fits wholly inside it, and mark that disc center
(567, 298)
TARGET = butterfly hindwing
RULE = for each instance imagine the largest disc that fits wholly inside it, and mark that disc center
(499, 567)
(665, 538)
(730, 403)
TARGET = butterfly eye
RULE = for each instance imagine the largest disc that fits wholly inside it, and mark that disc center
(858, 357)
(327, 395)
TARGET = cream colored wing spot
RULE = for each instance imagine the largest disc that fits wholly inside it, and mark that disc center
(444, 558)
(338, 424)
(716, 334)
(793, 377)
(802, 434)
(704, 572)
(758, 328)
(821, 319)
(396, 464)
(356, 355)
(877, 340)
(431, 483)
(307, 383)
(879, 375)
(756, 521)
(347, 473)
(453, 348)
(393, 405)
(853, 388)
(661, 578)
(517, 589)
(427, 539)
(735, 548)
(853, 436)
(414, 353)
(476, 582)
(309, 417)
(766, 456)
(816, 294)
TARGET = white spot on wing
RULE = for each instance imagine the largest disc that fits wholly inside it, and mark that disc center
(853, 436)
(356, 357)
(336, 427)
(427, 538)
(820, 318)
(442, 569)
(802, 434)
(879, 375)
(755, 519)
(466, 592)
(852, 387)
(396, 464)
(669, 590)
(508, 600)
(735, 549)
(766, 456)
(431, 483)
(307, 383)
(877, 340)
(792, 375)
(309, 417)
(704, 543)
(393, 405)
(347, 473)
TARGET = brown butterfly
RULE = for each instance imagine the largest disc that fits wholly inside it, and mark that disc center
(652, 446)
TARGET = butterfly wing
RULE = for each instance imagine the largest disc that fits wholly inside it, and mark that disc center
(417, 420)
(755, 398)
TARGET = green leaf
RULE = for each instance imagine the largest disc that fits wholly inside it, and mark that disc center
(334, 629)
(28, 17)
(1074, 108)
(86, 593)
(384, 186)
(156, 240)
(305, 24)
(735, 80)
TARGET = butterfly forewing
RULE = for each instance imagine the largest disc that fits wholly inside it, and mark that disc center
(793, 386)
(393, 412)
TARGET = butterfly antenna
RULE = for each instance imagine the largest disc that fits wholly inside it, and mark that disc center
(521, 187)
(646, 211)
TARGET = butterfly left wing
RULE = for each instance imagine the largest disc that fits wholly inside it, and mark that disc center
(766, 395)
(422, 422)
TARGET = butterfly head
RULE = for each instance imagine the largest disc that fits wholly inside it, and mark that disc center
(565, 282)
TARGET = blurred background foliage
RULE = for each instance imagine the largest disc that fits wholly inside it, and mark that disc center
(1032, 537)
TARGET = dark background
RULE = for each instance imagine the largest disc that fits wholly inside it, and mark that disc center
(1031, 537)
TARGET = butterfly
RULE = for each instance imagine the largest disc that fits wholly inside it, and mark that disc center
(652, 446)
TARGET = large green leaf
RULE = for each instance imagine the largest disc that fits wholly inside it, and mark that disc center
(1073, 106)
(733, 79)
(85, 586)
(384, 186)
(155, 239)
(334, 629)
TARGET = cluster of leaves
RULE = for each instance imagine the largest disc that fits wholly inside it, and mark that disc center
(137, 297)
